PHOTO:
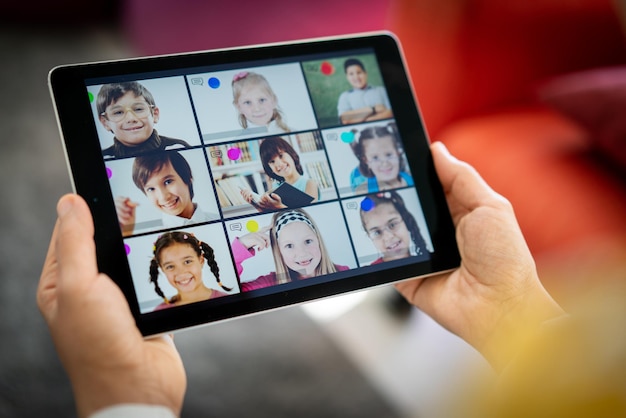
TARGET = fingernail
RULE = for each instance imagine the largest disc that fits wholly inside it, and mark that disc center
(64, 206)
(442, 147)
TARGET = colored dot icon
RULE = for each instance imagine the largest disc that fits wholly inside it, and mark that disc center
(347, 137)
(213, 82)
(252, 226)
(367, 204)
(234, 154)
(127, 248)
(109, 173)
(327, 68)
(90, 95)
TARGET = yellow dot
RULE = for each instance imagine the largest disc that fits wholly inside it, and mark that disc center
(252, 226)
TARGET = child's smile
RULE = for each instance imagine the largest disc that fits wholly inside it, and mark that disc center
(257, 105)
(168, 192)
(132, 130)
(382, 158)
(387, 230)
(182, 267)
(356, 77)
(282, 165)
(300, 248)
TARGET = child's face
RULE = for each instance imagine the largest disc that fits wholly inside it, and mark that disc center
(357, 77)
(256, 104)
(133, 129)
(382, 158)
(387, 230)
(283, 165)
(168, 192)
(300, 248)
(182, 267)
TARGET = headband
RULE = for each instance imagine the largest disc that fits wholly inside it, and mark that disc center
(286, 218)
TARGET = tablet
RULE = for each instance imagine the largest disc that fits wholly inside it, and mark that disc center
(168, 152)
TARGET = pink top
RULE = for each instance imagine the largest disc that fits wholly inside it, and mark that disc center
(241, 254)
(163, 305)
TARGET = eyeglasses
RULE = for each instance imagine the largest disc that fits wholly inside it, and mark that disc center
(382, 160)
(377, 233)
(118, 113)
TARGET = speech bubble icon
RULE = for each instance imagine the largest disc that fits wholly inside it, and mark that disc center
(347, 137)
(351, 206)
(197, 81)
(235, 226)
(216, 153)
(252, 226)
(214, 82)
(331, 136)
(234, 153)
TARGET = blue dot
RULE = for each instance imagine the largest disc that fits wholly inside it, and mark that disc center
(347, 137)
(214, 82)
(367, 204)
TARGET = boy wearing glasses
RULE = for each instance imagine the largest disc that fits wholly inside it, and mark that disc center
(129, 112)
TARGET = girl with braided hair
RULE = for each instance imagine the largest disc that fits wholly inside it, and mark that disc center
(180, 256)
(391, 227)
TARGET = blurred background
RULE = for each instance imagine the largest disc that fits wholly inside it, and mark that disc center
(533, 94)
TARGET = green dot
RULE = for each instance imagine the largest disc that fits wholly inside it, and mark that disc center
(90, 96)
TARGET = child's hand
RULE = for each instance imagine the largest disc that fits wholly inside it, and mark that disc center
(125, 209)
(271, 201)
(257, 240)
(247, 195)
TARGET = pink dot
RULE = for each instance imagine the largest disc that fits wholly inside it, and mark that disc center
(109, 173)
(127, 248)
(234, 153)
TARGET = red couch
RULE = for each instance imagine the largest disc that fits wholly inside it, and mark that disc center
(476, 66)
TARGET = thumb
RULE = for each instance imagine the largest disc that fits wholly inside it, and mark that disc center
(75, 246)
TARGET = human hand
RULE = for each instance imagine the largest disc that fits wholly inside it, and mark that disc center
(270, 201)
(105, 356)
(125, 209)
(495, 297)
(256, 240)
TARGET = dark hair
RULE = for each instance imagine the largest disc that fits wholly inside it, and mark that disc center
(199, 247)
(270, 147)
(110, 93)
(374, 132)
(146, 165)
(350, 62)
(393, 198)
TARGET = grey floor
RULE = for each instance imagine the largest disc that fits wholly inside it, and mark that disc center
(358, 362)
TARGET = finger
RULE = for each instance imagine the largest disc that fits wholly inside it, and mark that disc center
(462, 181)
(74, 243)
(264, 229)
(276, 198)
(47, 281)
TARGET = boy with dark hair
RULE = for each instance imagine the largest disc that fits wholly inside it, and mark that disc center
(129, 111)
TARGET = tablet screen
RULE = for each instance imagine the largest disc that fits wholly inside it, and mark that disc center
(232, 182)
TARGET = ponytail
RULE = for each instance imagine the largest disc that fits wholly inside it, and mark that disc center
(200, 248)
(209, 255)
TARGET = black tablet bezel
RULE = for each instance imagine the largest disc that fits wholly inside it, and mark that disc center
(87, 168)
